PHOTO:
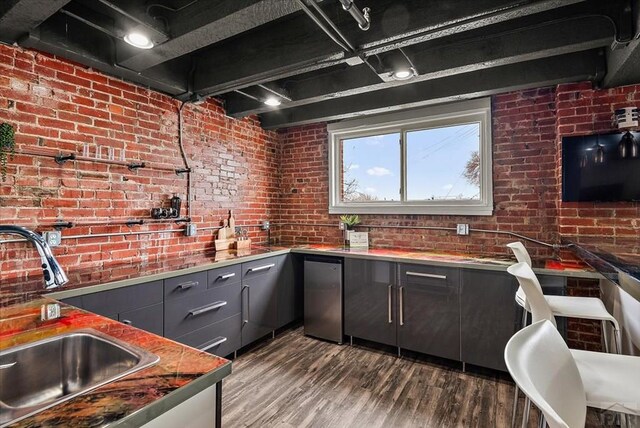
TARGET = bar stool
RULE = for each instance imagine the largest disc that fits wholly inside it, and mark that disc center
(564, 306)
(570, 306)
(610, 380)
(557, 384)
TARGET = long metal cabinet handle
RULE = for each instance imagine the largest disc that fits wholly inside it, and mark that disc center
(217, 341)
(389, 303)
(401, 296)
(227, 276)
(199, 311)
(245, 320)
(187, 285)
(259, 268)
(426, 275)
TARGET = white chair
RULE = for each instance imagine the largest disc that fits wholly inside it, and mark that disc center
(569, 306)
(610, 381)
(542, 366)
(564, 306)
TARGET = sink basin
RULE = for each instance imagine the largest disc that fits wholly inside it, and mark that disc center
(41, 374)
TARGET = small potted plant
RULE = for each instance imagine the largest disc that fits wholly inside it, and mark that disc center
(349, 221)
(7, 147)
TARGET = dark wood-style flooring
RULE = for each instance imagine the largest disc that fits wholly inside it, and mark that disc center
(297, 381)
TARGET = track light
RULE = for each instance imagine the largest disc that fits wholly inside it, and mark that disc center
(272, 101)
(138, 40)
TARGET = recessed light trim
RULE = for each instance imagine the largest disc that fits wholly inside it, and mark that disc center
(272, 101)
(138, 40)
(403, 74)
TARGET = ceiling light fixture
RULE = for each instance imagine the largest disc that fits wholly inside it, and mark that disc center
(272, 101)
(403, 73)
(138, 40)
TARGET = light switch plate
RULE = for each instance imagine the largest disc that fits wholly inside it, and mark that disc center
(53, 237)
(462, 229)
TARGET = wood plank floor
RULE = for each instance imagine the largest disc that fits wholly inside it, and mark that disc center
(296, 381)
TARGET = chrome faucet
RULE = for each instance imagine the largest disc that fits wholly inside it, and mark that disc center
(54, 276)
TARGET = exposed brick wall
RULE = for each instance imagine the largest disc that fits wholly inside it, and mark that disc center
(58, 105)
(525, 185)
(582, 333)
(583, 110)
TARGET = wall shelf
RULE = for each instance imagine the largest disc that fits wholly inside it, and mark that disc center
(62, 158)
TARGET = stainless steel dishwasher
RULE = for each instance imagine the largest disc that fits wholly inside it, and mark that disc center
(323, 298)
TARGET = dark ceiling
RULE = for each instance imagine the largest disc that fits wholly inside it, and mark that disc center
(244, 51)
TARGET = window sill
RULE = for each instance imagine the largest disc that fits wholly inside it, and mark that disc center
(471, 210)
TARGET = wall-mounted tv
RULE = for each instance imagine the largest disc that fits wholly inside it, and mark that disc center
(599, 168)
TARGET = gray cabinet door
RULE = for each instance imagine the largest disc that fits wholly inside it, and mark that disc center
(148, 318)
(489, 316)
(259, 299)
(369, 300)
(289, 292)
(429, 311)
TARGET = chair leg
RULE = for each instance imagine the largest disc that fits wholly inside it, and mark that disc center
(541, 422)
(525, 412)
(515, 405)
(618, 339)
(605, 336)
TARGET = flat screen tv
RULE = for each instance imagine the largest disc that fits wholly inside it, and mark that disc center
(595, 170)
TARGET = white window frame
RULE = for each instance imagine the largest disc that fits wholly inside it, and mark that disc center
(478, 110)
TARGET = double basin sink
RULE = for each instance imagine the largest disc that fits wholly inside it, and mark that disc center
(39, 375)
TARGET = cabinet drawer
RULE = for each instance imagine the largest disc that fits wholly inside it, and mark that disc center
(224, 276)
(198, 310)
(223, 335)
(112, 302)
(148, 318)
(268, 266)
(185, 285)
(431, 276)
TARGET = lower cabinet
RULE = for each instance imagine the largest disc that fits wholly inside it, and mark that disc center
(218, 311)
(489, 316)
(370, 310)
(148, 318)
(138, 305)
(429, 310)
(259, 298)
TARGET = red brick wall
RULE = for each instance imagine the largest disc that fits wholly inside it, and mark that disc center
(525, 185)
(527, 130)
(58, 105)
(583, 110)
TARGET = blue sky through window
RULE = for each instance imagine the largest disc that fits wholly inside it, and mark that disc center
(436, 160)
(373, 164)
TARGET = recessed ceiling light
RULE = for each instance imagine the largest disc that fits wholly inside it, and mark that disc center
(403, 74)
(272, 101)
(138, 40)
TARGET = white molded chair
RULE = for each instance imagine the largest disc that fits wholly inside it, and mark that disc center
(569, 306)
(543, 368)
(610, 381)
(564, 306)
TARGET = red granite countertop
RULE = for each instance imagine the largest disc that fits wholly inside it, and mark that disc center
(122, 400)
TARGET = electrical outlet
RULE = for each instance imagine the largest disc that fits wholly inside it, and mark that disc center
(462, 229)
(341, 226)
(53, 238)
(190, 230)
(266, 225)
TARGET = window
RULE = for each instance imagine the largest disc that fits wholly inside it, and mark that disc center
(435, 160)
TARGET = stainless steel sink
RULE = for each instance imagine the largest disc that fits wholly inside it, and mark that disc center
(42, 374)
